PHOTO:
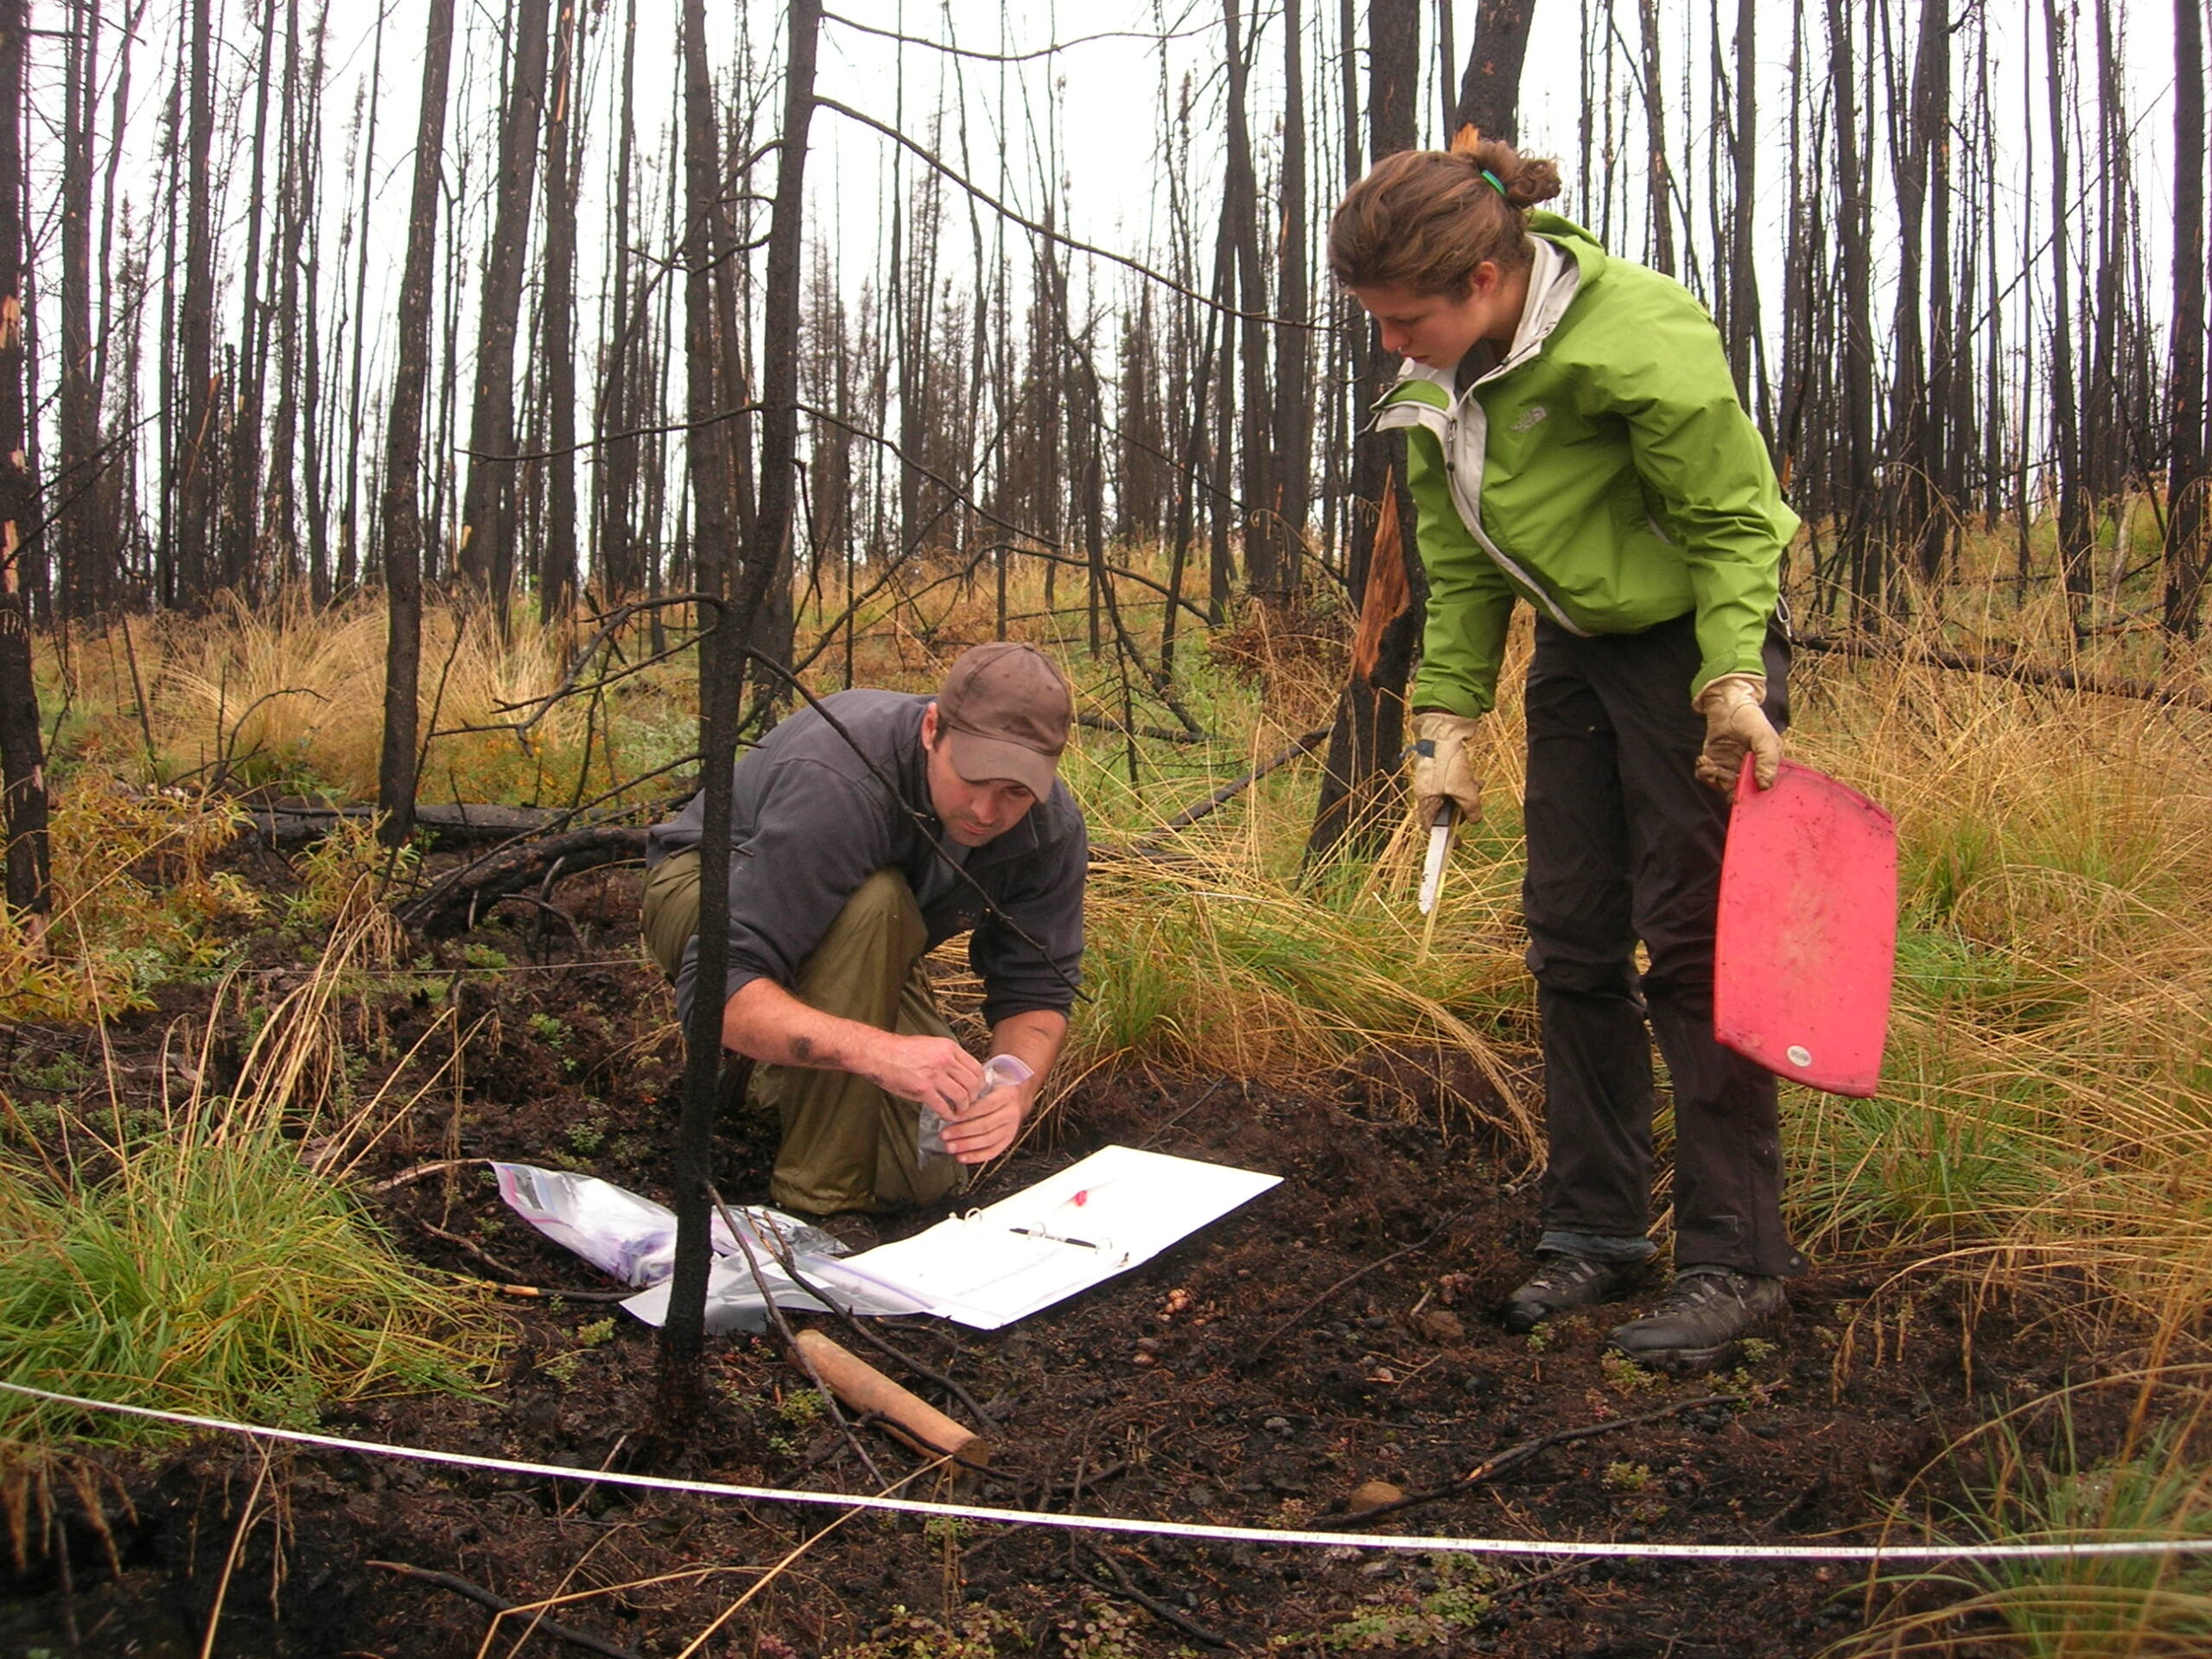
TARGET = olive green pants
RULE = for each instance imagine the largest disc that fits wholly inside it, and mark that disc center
(846, 1145)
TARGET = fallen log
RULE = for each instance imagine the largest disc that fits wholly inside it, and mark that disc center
(454, 904)
(1146, 845)
(294, 824)
(1160, 734)
(2002, 665)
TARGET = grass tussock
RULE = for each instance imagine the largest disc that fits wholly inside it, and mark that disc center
(213, 1260)
(2033, 1479)
(140, 899)
(2047, 1093)
(138, 902)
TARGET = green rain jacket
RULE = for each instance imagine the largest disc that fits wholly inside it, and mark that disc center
(1602, 469)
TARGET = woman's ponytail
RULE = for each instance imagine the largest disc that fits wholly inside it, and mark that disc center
(1524, 182)
(1425, 219)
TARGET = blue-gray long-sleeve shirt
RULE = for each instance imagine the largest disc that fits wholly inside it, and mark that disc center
(810, 821)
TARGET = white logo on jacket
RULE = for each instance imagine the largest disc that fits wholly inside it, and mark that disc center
(1534, 413)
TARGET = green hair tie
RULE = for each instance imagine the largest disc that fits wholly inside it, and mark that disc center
(1494, 183)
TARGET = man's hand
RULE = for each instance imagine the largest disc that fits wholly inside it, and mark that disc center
(1443, 768)
(768, 1023)
(1736, 724)
(986, 1128)
(935, 1071)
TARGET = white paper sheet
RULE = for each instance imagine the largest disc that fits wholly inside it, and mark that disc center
(1115, 1211)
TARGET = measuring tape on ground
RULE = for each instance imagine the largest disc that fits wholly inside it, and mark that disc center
(1272, 1537)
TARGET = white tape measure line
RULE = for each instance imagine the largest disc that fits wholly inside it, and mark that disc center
(1570, 1548)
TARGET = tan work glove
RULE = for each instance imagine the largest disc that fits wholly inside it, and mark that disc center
(1735, 722)
(1443, 768)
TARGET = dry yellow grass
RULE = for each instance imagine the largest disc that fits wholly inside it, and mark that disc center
(291, 697)
(2048, 1099)
(2049, 1094)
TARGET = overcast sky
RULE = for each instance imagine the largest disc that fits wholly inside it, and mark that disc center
(1087, 118)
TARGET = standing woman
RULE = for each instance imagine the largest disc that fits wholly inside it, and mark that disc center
(1574, 441)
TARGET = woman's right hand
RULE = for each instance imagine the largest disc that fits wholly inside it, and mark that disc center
(1444, 766)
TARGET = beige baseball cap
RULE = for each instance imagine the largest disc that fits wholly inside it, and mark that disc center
(1004, 712)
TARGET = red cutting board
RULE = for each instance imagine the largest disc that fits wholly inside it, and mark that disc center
(1807, 933)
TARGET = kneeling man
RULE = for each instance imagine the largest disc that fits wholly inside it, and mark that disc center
(853, 852)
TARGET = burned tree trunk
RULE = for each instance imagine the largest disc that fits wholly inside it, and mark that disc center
(192, 488)
(1490, 91)
(1358, 783)
(2074, 533)
(242, 516)
(88, 540)
(1264, 559)
(557, 572)
(1910, 502)
(352, 562)
(299, 385)
(1942, 492)
(487, 512)
(721, 669)
(403, 511)
(614, 480)
(2185, 471)
(1293, 422)
(1742, 319)
(720, 676)
(1659, 176)
(1853, 332)
(23, 777)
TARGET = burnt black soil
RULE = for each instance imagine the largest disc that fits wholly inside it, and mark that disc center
(1339, 1331)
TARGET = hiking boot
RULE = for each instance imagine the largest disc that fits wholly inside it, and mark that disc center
(1704, 1310)
(1562, 1282)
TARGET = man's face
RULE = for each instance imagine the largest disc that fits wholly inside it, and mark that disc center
(972, 812)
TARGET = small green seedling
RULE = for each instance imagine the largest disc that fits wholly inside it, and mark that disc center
(1625, 1477)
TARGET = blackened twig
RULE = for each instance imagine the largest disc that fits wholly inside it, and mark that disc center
(789, 1263)
(1229, 791)
(1152, 1605)
(790, 1339)
(1490, 1467)
(547, 1293)
(500, 1604)
(1204, 1094)
(1418, 1245)
(473, 1248)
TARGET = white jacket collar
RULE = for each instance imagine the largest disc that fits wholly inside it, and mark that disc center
(1554, 280)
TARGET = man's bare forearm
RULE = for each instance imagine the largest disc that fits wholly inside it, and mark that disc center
(1033, 1038)
(765, 1022)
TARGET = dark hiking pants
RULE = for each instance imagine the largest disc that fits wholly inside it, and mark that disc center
(1625, 845)
(846, 1144)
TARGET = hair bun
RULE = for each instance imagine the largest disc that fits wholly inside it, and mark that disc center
(1523, 182)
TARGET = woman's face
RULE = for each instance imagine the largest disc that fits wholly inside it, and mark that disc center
(1436, 330)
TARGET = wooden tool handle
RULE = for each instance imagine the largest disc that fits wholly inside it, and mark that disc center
(913, 1419)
